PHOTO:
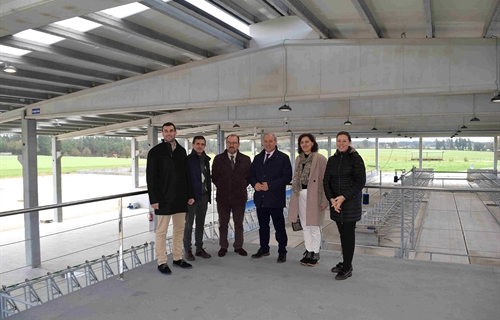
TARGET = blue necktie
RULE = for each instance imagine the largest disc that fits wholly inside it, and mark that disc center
(267, 157)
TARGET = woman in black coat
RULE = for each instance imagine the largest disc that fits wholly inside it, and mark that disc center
(345, 177)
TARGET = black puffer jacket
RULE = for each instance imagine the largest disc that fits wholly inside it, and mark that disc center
(345, 175)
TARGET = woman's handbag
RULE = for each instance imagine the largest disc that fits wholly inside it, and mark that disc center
(297, 226)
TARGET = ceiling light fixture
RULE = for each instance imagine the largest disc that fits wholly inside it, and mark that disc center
(235, 124)
(375, 126)
(496, 97)
(286, 106)
(348, 123)
(9, 68)
(474, 109)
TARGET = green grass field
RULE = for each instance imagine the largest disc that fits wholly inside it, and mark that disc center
(390, 159)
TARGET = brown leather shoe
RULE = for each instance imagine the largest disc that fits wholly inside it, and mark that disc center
(241, 252)
(202, 253)
(222, 252)
(189, 256)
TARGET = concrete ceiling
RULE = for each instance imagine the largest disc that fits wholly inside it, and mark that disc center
(173, 33)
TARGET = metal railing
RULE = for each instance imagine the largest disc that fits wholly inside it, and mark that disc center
(18, 297)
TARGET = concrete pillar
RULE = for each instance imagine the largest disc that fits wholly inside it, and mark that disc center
(261, 140)
(152, 136)
(186, 145)
(134, 154)
(495, 153)
(420, 155)
(221, 145)
(253, 149)
(28, 160)
(329, 146)
(56, 178)
(376, 155)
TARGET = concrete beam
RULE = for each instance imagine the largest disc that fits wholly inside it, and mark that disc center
(99, 130)
(12, 115)
(315, 71)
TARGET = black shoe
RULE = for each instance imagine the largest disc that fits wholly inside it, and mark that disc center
(313, 261)
(189, 256)
(260, 254)
(307, 256)
(181, 263)
(343, 274)
(338, 267)
(281, 258)
(164, 269)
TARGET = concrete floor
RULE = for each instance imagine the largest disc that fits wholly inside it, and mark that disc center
(236, 287)
(381, 288)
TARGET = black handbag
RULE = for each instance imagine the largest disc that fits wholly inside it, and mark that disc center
(297, 226)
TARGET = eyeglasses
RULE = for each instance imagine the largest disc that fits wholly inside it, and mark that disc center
(232, 143)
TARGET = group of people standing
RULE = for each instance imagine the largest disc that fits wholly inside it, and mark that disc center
(179, 186)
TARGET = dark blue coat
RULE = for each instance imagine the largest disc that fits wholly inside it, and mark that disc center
(195, 168)
(277, 172)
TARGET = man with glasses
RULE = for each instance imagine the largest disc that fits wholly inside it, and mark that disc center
(230, 174)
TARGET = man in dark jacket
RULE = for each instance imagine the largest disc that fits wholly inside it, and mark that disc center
(170, 191)
(199, 165)
(230, 174)
(270, 173)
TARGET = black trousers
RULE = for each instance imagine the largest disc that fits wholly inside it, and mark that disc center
(347, 241)
(264, 215)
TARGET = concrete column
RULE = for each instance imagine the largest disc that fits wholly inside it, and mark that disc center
(186, 145)
(420, 155)
(376, 155)
(495, 153)
(134, 154)
(56, 177)
(261, 140)
(253, 149)
(221, 146)
(152, 136)
(30, 186)
(329, 146)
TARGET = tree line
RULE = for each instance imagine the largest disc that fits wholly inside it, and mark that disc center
(120, 147)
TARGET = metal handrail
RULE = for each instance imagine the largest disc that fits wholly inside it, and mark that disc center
(377, 186)
(70, 203)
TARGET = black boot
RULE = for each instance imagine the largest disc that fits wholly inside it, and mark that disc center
(307, 257)
(314, 259)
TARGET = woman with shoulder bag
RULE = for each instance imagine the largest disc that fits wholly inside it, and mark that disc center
(308, 201)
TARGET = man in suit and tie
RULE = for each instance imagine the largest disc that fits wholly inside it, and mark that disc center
(230, 174)
(270, 173)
